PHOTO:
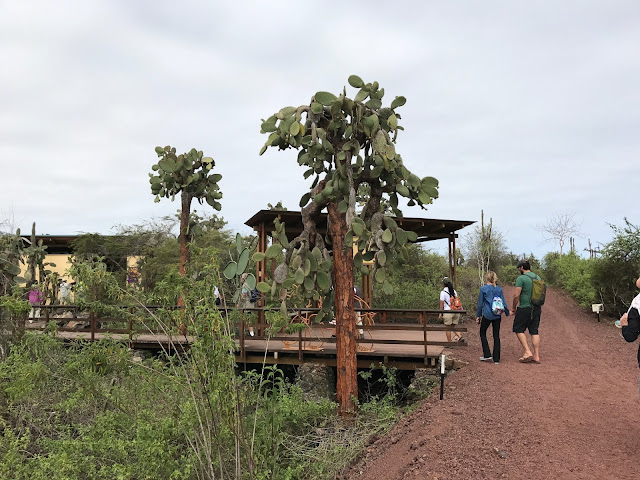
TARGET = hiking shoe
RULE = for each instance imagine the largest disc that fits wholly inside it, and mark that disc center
(486, 359)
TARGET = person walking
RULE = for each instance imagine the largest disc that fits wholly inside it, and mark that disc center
(527, 316)
(630, 323)
(491, 305)
(447, 296)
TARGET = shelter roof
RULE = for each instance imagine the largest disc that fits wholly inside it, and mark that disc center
(426, 228)
(54, 243)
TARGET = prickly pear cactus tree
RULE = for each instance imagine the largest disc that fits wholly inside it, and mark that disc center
(35, 254)
(345, 143)
(191, 176)
(236, 268)
(10, 260)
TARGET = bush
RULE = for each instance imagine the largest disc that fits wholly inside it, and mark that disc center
(573, 274)
(89, 411)
(616, 271)
(417, 284)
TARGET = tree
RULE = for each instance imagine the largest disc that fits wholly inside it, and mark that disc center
(11, 253)
(191, 176)
(484, 246)
(559, 227)
(35, 255)
(344, 143)
(616, 270)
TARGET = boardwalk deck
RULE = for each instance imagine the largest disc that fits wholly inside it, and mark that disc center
(402, 347)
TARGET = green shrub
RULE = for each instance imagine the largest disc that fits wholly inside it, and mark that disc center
(573, 274)
(616, 271)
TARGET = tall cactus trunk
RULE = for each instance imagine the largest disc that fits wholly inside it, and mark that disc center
(347, 362)
(185, 256)
(184, 226)
(32, 261)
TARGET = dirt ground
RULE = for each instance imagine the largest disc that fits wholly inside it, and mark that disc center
(576, 415)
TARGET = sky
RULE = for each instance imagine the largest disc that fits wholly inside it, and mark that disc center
(524, 110)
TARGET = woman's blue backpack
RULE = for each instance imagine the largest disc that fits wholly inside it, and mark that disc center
(497, 306)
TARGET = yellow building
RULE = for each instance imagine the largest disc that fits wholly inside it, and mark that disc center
(58, 252)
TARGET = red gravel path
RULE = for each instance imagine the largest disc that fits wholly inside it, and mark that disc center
(574, 416)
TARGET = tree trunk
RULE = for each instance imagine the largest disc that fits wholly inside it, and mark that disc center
(185, 256)
(347, 365)
(184, 225)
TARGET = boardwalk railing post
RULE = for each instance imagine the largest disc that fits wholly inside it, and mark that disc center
(300, 345)
(423, 320)
(243, 352)
(93, 326)
(131, 328)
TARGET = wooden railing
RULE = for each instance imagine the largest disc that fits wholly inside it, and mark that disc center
(415, 320)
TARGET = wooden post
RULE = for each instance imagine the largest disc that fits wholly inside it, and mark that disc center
(423, 320)
(300, 345)
(243, 352)
(454, 260)
(450, 258)
(93, 326)
(131, 330)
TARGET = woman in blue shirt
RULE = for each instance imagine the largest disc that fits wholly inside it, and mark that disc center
(491, 304)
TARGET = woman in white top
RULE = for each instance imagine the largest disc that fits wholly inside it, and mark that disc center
(447, 293)
(630, 321)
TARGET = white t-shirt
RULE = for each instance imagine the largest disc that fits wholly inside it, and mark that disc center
(446, 298)
(635, 303)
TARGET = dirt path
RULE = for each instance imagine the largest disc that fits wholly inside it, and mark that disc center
(574, 416)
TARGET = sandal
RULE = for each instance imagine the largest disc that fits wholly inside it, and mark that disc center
(528, 359)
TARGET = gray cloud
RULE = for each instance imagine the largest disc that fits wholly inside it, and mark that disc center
(520, 109)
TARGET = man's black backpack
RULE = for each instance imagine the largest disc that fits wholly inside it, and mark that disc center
(254, 296)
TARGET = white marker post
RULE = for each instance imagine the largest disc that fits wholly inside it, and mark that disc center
(442, 360)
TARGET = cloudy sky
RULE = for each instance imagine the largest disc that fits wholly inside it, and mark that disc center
(522, 109)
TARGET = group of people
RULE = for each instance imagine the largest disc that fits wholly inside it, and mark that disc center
(491, 305)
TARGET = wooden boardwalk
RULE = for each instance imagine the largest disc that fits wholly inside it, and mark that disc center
(404, 346)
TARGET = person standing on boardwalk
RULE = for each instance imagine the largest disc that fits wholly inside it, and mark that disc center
(245, 298)
(447, 295)
(491, 305)
(527, 316)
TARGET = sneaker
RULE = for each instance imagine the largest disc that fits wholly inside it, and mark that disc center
(617, 322)
(251, 333)
(496, 363)
(486, 359)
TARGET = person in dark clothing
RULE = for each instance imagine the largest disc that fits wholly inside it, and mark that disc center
(489, 312)
(630, 321)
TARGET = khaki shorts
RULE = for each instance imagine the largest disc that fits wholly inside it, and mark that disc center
(450, 318)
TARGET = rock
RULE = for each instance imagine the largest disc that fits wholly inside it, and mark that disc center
(423, 383)
(457, 364)
(316, 381)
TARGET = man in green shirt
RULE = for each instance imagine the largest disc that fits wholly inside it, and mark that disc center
(527, 316)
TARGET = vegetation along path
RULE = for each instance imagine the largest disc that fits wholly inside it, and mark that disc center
(573, 416)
